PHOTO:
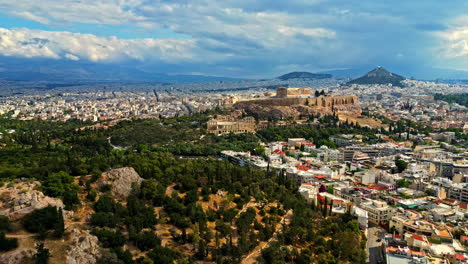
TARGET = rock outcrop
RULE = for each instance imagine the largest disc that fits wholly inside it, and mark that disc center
(84, 248)
(296, 103)
(22, 199)
(19, 256)
(121, 181)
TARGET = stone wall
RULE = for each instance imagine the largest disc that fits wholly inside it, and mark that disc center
(300, 108)
(322, 101)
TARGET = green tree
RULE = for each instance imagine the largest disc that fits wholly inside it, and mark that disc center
(59, 228)
(57, 184)
(402, 183)
(7, 244)
(401, 165)
(42, 255)
(4, 223)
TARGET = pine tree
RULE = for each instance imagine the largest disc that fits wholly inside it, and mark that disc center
(42, 255)
(60, 225)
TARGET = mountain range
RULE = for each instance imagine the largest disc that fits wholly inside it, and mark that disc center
(51, 70)
(16, 69)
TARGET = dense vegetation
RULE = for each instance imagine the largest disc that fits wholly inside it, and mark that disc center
(44, 220)
(55, 152)
(320, 135)
(235, 233)
(461, 99)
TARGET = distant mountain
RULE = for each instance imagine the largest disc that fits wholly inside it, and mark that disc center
(379, 75)
(304, 75)
(49, 70)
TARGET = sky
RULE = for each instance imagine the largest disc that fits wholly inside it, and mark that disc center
(239, 38)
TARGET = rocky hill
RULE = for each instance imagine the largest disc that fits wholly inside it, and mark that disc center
(304, 75)
(379, 75)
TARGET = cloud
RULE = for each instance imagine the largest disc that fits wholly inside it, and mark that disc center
(68, 11)
(74, 46)
(244, 36)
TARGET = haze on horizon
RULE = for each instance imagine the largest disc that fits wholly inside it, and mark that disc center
(239, 38)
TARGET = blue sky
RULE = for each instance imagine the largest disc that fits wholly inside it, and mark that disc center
(239, 37)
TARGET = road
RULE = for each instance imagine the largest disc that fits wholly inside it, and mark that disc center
(374, 251)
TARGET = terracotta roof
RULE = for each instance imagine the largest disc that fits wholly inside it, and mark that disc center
(459, 257)
(463, 205)
(376, 187)
(444, 233)
(320, 176)
(302, 168)
(418, 237)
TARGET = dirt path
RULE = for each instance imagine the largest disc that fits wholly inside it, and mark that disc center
(254, 254)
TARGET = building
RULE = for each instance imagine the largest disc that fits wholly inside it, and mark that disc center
(459, 192)
(378, 211)
(225, 125)
(283, 92)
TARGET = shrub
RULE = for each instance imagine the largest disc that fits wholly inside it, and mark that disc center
(7, 244)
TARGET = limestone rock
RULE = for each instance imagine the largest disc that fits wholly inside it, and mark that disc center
(121, 180)
(22, 199)
(84, 248)
(19, 256)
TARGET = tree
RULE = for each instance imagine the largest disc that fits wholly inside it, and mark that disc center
(42, 255)
(109, 238)
(42, 220)
(402, 183)
(59, 225)
(7, 244)
(103, 219)
(146, 240)
(4, 223)
(401, 165)
(57, 184)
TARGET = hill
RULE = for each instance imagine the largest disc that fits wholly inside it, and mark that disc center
(304, 75)
(379, 75)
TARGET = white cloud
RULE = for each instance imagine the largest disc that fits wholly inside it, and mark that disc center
(71, 57)
(314, 34)
(84, 11)
(31, 16)
(75, 46)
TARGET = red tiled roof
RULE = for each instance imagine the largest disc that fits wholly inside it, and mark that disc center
(459, 257)
(376, 187)
(464, 237)
(417, 237)
(463, 205)
(449, 200)
(306, 183)
(302, 168)
(320, 176)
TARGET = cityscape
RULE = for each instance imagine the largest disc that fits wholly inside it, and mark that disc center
(144, 132)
